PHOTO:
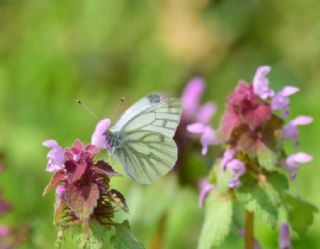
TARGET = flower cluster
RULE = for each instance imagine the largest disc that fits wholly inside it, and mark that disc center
(252, 130)
(81, 183)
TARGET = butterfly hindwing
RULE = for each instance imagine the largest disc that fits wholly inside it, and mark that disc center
(146, 156)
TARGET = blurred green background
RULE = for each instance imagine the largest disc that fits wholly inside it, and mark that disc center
(54, 52)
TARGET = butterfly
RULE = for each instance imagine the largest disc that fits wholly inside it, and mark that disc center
(142, 138)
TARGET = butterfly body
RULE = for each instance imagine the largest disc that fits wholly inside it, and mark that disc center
(142, 139)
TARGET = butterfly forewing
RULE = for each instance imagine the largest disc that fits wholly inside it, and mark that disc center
(146, 156)
(135, 109)
(163, 117)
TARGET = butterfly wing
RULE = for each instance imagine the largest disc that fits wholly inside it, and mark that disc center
(148, 150)
(135, 109)
(147, 155)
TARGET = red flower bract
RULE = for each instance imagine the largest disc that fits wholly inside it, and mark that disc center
(244, 107)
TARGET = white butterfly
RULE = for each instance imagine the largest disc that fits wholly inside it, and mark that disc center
(142, 138)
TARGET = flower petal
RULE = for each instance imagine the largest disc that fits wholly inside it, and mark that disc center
(192, 95)
(98, 138)
(261, 83)
(302, 120)
(284, 237)
(196, 128)
(205, 188)
(206, 112)
(289, 90)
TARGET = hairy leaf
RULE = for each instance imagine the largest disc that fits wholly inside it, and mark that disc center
(93, 238)
(266, 157)
(300, 213)
(82, 200)
(124, 239)
(260, 198)
(217, 223)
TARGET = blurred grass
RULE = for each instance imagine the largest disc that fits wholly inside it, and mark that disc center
(54, 52)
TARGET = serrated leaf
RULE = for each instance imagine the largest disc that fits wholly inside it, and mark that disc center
(300, 213)
(266, 157)
(124, 239)
(217, 223)
(262, 200)
(91, 239)
(83, 199)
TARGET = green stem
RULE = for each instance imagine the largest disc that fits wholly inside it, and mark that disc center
(249, 238)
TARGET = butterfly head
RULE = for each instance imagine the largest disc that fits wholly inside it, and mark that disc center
(114, 139)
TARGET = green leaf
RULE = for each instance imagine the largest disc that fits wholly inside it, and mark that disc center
(124, 239)
(300, 213)
(217, 223)
(262, 199)
(82, 200)
(266, 157)
(91, 239)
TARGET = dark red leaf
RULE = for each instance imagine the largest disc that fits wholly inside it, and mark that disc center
(119, 199)
(75, 170)
(82, 200)
(57, 178)
(101, 167)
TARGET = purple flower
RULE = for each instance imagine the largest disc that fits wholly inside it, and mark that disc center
(55, 156)
(292, 162)
(238, 169)
(208, 135)
(98, 137)
(236, 166)
(261, 83)
(290, 131)
(284, 237)
(228, 155)
(205, 188)
(281, 100)
(192, 111)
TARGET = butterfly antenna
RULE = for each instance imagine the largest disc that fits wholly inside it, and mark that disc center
(87, 108)
(118, 107)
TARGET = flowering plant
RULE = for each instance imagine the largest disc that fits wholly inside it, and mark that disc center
(251, 172)
(85, 202)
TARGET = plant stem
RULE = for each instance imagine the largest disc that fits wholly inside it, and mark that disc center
(249, 238)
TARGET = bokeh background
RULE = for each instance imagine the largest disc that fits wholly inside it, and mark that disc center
(55, 52)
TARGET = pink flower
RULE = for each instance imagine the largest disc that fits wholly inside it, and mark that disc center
(98, 137)
(290, 131)
(205, 188)
(284, 237)
(192, 111)
(208, 135)
(261, 83)
(281, 100)
(55, 156)
(292, 163)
